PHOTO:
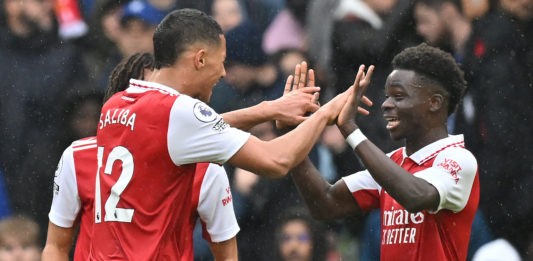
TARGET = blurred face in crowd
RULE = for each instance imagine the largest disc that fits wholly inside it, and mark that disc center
(136, 37)
(522, 9)
(295, 242)
(12, 249)
(110, 23)
(429, 24)
(85, 117)
(26, 17)
(227, 13)
(381, 6)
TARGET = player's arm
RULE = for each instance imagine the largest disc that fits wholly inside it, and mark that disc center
(413, 193)
(276, 157)
(290, 109)
(325, 201)
(215, 209)
(58, 243)
(225, 250)
(64, 210)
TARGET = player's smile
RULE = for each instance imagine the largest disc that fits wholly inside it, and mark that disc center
(392, 122)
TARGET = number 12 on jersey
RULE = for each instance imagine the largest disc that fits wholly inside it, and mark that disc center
(112, 213)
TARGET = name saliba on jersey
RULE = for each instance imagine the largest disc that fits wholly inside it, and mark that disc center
(117, 116)
(400, 226)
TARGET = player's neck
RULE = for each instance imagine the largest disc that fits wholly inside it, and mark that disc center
(420, 140)
(177, 79)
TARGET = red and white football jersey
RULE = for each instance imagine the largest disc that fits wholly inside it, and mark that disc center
(73, 197)
(440, 235)
(146, 195)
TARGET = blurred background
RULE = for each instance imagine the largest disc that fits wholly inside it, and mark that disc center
(56, 56)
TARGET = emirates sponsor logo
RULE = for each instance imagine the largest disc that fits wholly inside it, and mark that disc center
(399, 226)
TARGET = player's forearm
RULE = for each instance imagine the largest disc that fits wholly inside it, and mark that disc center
(247, 118)
(225, 251)
(58, 243)
(313, 189)
(294, 146)
(411, 192)
(52, 253)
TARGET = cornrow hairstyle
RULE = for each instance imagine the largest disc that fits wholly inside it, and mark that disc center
(437, 66)
(132, 67)
(180, 29)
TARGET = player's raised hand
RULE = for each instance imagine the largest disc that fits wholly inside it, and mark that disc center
(300, 97)
(356, 91)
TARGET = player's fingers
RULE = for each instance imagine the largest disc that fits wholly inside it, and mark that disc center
(303, 74)
(313, 107)
(362, 111)
(311, 76)
(365, 82)
(358, 78)
(316, 97)
(296, 77)
(365, 100)
(288, 84)
(310, 90)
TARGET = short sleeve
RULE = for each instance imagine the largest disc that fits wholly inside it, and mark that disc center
(66, 202)
(196, 133)
(452, 174)
(215, 205)
(364, 189)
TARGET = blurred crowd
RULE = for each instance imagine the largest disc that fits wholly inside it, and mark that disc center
(56, 56)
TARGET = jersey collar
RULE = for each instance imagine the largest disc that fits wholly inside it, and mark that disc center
(138, 86)
(430, 151)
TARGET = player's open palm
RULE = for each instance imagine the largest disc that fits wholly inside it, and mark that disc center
(356, 96)
(300, 97)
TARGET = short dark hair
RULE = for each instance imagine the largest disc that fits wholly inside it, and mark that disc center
(436, 65)
(132, 67)
(178, 30)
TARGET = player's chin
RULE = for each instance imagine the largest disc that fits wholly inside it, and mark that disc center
(395, 135)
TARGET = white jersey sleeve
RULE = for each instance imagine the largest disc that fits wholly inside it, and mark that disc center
(66, 202)
(452, 174)
(215, 205)
(361, 180)
(364, 189)
(196, 133)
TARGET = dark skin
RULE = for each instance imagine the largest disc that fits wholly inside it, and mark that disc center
(416, 113)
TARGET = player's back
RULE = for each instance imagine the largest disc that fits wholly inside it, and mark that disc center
(143, 206)
(74, 192)
(84, 154)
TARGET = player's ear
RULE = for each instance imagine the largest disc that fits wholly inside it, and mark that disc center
(436, 102)
(200, 59)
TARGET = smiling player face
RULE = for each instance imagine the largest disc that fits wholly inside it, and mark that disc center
(406, 105)
(214, 67)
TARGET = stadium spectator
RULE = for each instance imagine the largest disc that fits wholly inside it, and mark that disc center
(38, 72)
(19, 239)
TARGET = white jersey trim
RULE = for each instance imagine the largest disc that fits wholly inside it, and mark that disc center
(66, 202)
(215, 205)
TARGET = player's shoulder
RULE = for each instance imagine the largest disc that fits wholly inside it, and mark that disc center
(84, 143)
(456, 152)
(195, 109)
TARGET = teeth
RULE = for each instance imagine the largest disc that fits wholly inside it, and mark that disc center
(392, 123)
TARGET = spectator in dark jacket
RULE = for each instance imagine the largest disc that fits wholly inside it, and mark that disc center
(37, 71)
